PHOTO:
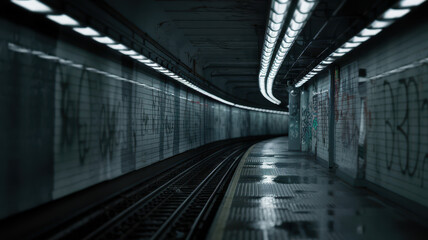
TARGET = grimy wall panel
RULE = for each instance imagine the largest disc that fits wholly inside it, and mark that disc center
(381, 128)
(75, 114)
(397, 113)
(319, 107)
(346, 117)
(26, 106)
(305, 121)
(397, 136)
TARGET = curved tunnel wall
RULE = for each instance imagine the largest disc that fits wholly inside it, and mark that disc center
(75, 114)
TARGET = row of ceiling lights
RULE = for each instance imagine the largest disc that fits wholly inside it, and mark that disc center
(277, 15)
(300, 16)
(65, 20)
(399, 10)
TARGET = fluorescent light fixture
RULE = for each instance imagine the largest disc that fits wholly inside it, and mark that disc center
(272, 33)
(295, 25)
(117, 46)
(300, 17)
(138, 57)
(306, 7)
(86, 31)
(105, 40)
(63, 19)
(343, 50)
(410, 3)
(152, 65)
(336, 54)
(128, 52)
(351, 45)
(298, 20)
(33, 6)
(145, 61)
(274, 26)
(393, 13)
(380, 24)
(368, 32)
(276, 20)
(292, 33)
(276, 17)
(358, 39)
(279, 6)
(285, 45)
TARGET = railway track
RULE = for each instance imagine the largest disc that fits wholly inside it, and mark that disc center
(174, 205)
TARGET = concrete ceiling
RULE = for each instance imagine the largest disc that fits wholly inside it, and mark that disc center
(222, 40)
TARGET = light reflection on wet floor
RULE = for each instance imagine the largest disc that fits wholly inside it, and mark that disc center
(285, 195)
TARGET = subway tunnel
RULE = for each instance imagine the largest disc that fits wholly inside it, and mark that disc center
(214, 119)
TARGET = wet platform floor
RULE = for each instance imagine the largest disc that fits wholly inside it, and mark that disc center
(277, 194)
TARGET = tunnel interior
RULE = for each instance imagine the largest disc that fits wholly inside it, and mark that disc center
(102, 96)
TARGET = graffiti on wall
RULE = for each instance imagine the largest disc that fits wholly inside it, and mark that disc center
(347, 110)
(314, 109)
(306, 126)
(82, 110)
(306, 121)
(322, 116)
(74, 127)
(404, 111)
(294, 125)
(192, 120)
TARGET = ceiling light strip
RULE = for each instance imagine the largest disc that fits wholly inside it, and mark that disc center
(65, 20)
(278, 11)
(398, 11)
(297, 22)
(33, 6)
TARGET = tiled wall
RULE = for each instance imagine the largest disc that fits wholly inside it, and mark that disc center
(381, 128)
(397, 133)
(305, 121)
(346, 117)
(319, 106)
(75, 114)
(294, 139)
(397, 113)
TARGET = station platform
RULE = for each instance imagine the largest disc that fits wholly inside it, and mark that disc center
(279, 194)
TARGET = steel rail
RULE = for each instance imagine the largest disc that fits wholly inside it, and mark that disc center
(191, 196)
(130, 210)
(204, 210)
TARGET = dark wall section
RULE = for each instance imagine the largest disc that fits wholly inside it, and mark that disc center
(74, 113)
(26, 93)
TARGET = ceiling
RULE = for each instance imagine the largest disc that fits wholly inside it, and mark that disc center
(222, 40)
